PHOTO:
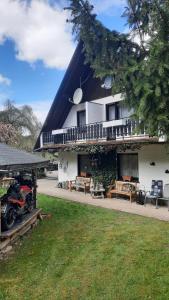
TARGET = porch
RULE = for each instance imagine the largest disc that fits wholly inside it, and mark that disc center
(48, 187)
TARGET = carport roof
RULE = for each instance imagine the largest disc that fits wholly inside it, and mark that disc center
(14, 159)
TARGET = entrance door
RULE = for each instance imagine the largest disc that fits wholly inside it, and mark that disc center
(128, 165)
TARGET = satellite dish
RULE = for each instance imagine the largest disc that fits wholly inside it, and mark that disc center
(78, 95)
(108, 83)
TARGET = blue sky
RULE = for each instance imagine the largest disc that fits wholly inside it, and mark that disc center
(36, 46)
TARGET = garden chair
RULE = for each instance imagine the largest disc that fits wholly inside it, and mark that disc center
(156, 192)
(165, 195)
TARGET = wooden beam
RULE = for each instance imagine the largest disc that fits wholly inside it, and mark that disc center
(34, 182)
(31, 217)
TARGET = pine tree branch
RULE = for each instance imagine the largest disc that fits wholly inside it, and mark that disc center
(138, 26)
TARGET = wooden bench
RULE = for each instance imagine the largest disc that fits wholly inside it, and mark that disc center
(81, 183)
(123, 188)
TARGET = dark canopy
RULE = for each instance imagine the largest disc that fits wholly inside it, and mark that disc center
(14, 159)
(77, 70)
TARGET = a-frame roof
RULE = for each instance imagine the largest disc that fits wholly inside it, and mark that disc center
(77, 70)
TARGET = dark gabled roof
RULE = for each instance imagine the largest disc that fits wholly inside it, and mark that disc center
(91, 90)
(14, 159)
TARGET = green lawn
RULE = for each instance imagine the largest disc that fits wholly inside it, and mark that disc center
(2, 191)
(84, 252)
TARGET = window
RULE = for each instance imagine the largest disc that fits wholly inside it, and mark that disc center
(112, 111)
(124, 111)
(81, 118)
(117, 111)
(128, 165)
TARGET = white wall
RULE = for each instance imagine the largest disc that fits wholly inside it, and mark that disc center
(153, 153)
(71, 120)
(94, 112)
(69, 169)
(109, 99)
(150, 153)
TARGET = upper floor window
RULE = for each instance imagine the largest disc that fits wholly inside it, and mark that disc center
(116, 111)
(81, 118)
(112, 111)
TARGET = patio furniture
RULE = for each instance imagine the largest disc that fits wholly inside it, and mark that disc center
(97, 193)
(165, 195)
(124, 188)
(6, 181)
(80, 183)
(156, 192)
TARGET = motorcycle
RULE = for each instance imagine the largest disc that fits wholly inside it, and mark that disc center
(15, 203)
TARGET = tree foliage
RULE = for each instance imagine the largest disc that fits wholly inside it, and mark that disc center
(23, 121)
(8, 134)
(140, 69)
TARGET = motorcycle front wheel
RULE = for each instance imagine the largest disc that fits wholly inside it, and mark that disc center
(8, 219)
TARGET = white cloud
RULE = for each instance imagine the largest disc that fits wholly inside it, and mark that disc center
(4, 80)
(39, 31)
(108, 6)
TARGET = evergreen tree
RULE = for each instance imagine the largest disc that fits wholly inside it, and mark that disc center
(140, 69)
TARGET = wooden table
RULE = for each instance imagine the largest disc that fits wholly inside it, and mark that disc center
(164, 199)
(97, 193)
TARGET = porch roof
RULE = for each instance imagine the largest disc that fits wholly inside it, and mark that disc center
(107, 144)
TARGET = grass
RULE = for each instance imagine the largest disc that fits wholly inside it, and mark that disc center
(88, 253)
(2, 191)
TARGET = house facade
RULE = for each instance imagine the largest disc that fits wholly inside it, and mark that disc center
(100, 121)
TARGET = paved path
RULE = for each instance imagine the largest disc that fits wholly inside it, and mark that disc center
(48, 187)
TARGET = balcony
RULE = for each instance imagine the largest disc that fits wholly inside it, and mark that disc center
(97, 132)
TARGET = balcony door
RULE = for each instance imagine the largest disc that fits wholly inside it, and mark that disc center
(81, 118)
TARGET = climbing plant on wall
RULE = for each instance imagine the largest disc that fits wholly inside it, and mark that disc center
(103, 167)
(90, 149)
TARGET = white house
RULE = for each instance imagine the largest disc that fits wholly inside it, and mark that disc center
(99, 119)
